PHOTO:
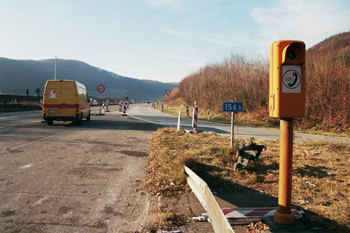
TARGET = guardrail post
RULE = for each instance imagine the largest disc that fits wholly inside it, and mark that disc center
(179, 121)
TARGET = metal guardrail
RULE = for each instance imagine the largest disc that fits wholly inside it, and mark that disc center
(206, 198)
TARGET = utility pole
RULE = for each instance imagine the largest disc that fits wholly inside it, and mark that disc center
(55, 67)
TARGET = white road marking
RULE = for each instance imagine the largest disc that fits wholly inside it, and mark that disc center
(8, 117)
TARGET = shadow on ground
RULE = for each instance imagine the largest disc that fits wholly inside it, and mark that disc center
(241, 196)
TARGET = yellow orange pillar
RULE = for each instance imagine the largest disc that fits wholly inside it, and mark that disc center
(284, 213)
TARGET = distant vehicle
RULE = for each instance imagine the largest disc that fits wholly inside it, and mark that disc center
(65, 100)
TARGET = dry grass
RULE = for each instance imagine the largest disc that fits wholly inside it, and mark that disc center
(170, 150)
(320, 172)
(202, 113)
(245, 80)
(165, 222)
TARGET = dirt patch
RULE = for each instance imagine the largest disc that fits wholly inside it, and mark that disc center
(94, 172)
(110, 211)
(64, 210)
(8, 213)
(134, 153)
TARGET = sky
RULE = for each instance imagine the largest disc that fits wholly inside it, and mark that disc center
(163, 40)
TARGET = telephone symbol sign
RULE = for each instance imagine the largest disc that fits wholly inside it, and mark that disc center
(291, 79)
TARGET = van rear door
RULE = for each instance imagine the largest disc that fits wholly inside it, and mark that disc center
(68, 99)
(52, 99)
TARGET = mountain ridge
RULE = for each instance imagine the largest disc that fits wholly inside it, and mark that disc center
(16, 76)
(339, 44)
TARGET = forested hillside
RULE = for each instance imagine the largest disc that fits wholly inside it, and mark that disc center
(240, 79)
(16, 76)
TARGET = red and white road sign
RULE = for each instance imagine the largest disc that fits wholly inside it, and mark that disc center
(124, 108)
(195, 115)
(167, 92)
(247, 215)
(101, 88)
(254, 213)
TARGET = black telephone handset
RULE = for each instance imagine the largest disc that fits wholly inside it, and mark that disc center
(295, 79)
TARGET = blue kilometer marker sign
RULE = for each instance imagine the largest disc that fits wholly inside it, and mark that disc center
(232, 107)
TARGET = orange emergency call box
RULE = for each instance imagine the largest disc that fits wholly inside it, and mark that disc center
(287, 79)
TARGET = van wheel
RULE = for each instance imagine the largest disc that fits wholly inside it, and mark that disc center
(89, 117)
(50, 122)
(80, 120)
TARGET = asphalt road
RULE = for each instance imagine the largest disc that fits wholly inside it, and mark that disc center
(146, 113)
(70, 178)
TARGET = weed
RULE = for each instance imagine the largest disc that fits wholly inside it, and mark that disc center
(165, 222)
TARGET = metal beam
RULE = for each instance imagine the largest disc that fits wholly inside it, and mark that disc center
(207, 199)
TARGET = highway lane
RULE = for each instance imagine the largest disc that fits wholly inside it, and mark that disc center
(16, 118)
(146, 113)
(9, 119)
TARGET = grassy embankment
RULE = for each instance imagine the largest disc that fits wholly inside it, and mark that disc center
(320, 174)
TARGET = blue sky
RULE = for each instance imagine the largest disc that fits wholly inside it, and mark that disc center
(162, 40)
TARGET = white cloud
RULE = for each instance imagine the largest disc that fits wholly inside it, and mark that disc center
(306, 20)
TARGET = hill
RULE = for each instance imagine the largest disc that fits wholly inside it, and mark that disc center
(338, 44)
(16, 76)
(245, 80)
